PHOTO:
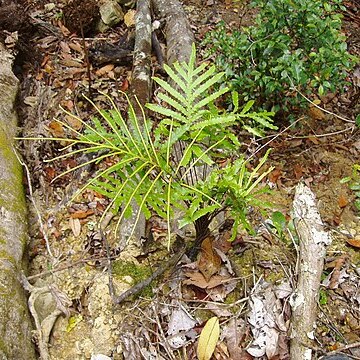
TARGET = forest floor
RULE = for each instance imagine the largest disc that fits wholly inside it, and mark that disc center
(165, 320)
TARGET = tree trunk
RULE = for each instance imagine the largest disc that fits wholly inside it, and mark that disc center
(15, 324)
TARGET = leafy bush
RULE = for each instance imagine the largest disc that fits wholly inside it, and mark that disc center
(354, 184)
(145, 167)
(293, 42)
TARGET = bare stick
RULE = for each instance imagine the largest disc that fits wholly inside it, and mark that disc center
(313, 241)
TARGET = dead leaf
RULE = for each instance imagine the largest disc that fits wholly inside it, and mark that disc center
(76, 47)
(342, 201)
(104, 70)
(65, 31)
(75, 226)
(208, 339)
(233, 333)
(65, 47)
(221, 352)
(299, 171)
(275, 175)
(315, 140)
(50, 173)
(209, 262)
(71, 63)
(179, 321)
(80, 214)
(354, 242)
(198, 279)
(316, 114)
(124, 85)
(69, 104)
(295, 143)
(74, 122)
(56, 129)
(129, 18)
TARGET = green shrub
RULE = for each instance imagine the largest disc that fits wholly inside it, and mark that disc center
(354, 184)
(145, 169)
(293, 42)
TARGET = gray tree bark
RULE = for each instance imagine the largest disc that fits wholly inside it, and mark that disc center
(179, 36)
(313, 240)
(15, 323)
(140, 83)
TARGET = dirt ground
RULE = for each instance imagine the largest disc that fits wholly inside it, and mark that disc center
(69, 255)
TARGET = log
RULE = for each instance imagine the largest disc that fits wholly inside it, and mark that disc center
(179, 36)
(15, 323)
(140, 84)
(313, 240)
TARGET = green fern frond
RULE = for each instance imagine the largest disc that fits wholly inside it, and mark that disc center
(150, 171)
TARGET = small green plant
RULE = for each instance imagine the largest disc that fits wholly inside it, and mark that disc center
(293, 43)
(177, 165)
(354, 184)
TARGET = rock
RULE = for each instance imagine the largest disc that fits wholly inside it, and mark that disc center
(111, 14)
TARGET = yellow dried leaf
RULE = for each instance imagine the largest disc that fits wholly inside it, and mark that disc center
(129, 18)
(208, 339)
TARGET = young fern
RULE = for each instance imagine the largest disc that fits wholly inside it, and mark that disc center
(148, 167)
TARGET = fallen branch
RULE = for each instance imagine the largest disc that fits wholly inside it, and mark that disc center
(140, 83)
(313, 240)
(179, 36)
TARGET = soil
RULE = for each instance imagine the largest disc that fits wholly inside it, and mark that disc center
(68, 252)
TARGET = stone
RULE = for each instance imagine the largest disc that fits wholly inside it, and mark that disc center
(111, 13)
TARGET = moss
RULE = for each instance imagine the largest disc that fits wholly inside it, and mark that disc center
(4, 255)
(137, 272)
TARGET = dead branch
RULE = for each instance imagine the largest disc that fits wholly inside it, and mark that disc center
(142, 54)
(313, 241)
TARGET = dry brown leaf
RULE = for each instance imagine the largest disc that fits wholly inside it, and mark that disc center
(71, 63)
(343, 201)
(65, 31)
(275, 175)
(56, 129)
(74, 122)
(198, 279)
(209, 262)
(75, 226)
(125, 85)
(316, 114)
(65, 47)
(104, 70)
(354, 242)
(76, 47)
(299, 171)
(81, 214)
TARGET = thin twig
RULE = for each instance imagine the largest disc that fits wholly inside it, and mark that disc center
(293, 87)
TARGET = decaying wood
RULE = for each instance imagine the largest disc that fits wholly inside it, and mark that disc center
(140, 84)
(108, 53)
(15, 324)
(179, 37)
(313, 241)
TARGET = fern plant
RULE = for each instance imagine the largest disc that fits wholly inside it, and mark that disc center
(177, 165)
